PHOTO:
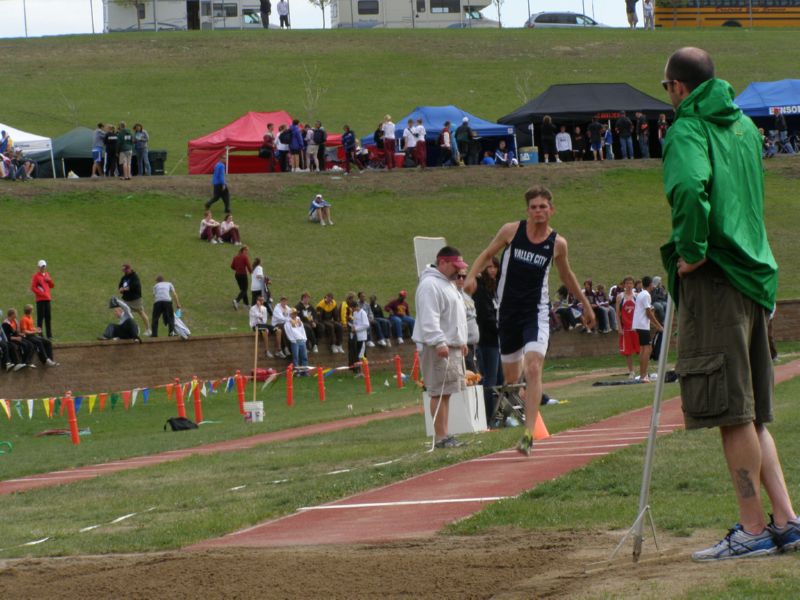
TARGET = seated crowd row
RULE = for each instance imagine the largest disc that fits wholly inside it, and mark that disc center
(20, 340)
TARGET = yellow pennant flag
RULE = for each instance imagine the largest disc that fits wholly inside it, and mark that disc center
(46, 403)
(92, 400)
(4, 404)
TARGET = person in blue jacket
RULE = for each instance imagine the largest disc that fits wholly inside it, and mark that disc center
(221, 191)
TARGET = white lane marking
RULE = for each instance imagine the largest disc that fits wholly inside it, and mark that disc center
(122, 518)
(34, 542)
(402, 503)
(89, 528)
(535, 455)
(237, 488)
(338, 472)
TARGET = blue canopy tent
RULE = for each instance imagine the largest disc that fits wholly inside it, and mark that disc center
(760, 99)
(434, 117)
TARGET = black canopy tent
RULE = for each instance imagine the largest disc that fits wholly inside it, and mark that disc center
(579, 103)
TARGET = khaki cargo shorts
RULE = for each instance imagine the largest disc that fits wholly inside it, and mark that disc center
(442, 376)
(724, 362)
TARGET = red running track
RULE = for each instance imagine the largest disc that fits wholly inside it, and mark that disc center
(422, 505)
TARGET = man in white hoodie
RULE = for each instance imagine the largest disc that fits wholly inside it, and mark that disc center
(441, 330)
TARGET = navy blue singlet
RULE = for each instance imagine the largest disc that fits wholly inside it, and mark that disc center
(523, 286)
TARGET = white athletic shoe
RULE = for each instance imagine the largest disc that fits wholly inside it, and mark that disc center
(382, 343)
(370, 344)
(400, 340)
(148, 333)
(315, 349)
(51, 363)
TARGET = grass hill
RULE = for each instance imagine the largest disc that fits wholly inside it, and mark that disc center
(184, 84)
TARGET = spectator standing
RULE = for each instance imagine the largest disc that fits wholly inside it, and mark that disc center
(421, 147)
(647, 14)
(400, 315)
(312, 149)
(719, 252)
(409, 141)
(308, 315)
(463, 135)
(221, 191)
(267, 150)
(643, 131)
(630, 10)
(41, 284)
(283, 14)
(141, 148)
(473, 333)
(296, 145)
(296, 335)
(320, 137)
(643, 318)
(266, 11)
(488, 351)
(258, 283)
(388, 128)
(595, 131)
(628, 338)
(608, 143)
(349, 144)
(578, 144)
(163, 293)
(98, 150)
(241, 268)
(43, 346)
(361, 328)
(625, 133)
(662, 130)
(548, 139)
(130, 288)
(563, 145)
(125, 147)
(282, 147)
(779, 124)
(112, 157)
(445, 146)
(441, 330)
(6, 143)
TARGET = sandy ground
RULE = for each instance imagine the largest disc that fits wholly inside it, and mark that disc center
(506, 565)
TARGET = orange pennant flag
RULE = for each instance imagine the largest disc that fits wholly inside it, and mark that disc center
(126, 399)
(52, 407)
(170, 386)
(102, 398)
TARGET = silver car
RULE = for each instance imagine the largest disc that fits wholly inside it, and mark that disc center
(561, 19)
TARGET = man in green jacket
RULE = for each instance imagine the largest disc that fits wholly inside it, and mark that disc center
(723, 278)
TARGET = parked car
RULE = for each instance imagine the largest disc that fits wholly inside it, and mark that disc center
(561, 19)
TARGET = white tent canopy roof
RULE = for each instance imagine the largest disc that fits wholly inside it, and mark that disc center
(27, 142)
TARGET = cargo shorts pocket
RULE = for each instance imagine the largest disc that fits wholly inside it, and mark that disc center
(704, 388)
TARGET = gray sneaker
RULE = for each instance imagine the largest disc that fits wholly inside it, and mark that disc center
(739, 544)
(448, 442)
(788, 536)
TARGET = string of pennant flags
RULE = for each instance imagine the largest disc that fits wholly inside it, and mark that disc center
(55, 405)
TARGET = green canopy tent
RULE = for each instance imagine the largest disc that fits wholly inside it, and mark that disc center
(71, 152)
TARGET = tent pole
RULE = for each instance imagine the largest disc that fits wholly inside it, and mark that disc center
(52, 160)
(227, 158)
(63, 168)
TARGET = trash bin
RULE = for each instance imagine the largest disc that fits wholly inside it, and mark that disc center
(157, 160)
(528, 155)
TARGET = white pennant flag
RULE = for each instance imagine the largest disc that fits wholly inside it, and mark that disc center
(30, 409)
(133, 396)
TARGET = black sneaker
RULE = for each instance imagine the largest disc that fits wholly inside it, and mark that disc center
(448, 442)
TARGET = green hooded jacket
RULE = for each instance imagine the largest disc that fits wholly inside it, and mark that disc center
(714, 182)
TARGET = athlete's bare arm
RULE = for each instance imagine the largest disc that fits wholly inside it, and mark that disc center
(500, 241)
(569, 279)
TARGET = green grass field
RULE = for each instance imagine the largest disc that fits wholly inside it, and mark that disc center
(182, 85)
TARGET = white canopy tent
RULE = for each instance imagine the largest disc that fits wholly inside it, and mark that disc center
(29, 142)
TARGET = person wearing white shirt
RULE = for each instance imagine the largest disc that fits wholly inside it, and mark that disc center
(643, 317)
(563, 145)
(296, 335)
(280, 315)
(361, 329)
(283, 13)
(420, 149)
(258, 322)
(257, 281)
(388, 128)
(163, 293)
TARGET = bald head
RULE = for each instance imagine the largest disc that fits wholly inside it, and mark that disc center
(690, 66)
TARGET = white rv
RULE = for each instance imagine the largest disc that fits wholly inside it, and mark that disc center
(359, 14)
(157, 15)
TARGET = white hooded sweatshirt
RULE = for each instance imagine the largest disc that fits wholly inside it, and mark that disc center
(441, 317)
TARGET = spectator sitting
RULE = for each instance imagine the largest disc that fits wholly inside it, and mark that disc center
(25, 168)
(487, 159)
(209, 229)
(6, 143)
(126, 328)
(399, 315)
(5, 350)
(602, 315)
(563, 310)
(308, 315)
(379, 330)
(504, 157)
(381, 323)
(658, 298)
(229, 231)
(320, 211)
(21, 350)
(280, 315)
(768, 149)
(326, 309)
(43, 346)
(296, 334)
(604, 304)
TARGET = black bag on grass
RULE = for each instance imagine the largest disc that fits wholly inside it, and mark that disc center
(180, 424)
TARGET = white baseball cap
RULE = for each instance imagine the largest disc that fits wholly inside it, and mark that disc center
(41, 263)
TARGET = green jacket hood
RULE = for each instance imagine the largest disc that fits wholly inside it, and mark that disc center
(711, 101)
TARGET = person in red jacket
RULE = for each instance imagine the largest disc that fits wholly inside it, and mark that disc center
(241, 267)
(41, 284)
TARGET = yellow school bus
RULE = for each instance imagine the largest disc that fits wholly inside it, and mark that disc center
(727, 13)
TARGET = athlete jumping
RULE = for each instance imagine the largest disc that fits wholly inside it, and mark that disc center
(529, 249)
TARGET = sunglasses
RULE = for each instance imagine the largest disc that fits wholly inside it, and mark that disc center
(460, 276)
(666, 82)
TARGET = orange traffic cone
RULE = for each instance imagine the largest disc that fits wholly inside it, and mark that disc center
(540, 429)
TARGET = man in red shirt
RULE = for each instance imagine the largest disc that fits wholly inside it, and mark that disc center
(399, 315)
(241, 267)
(41, 284)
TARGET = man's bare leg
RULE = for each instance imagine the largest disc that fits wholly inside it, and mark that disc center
(644, 359)
(533, 392)
(440, 409)
(740, 444)
(772, 479)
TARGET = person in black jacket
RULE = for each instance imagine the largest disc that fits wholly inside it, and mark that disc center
(488, 353)
(130, 287)
(125, 328)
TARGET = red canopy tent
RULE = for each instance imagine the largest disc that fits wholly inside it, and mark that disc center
(244, 134)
